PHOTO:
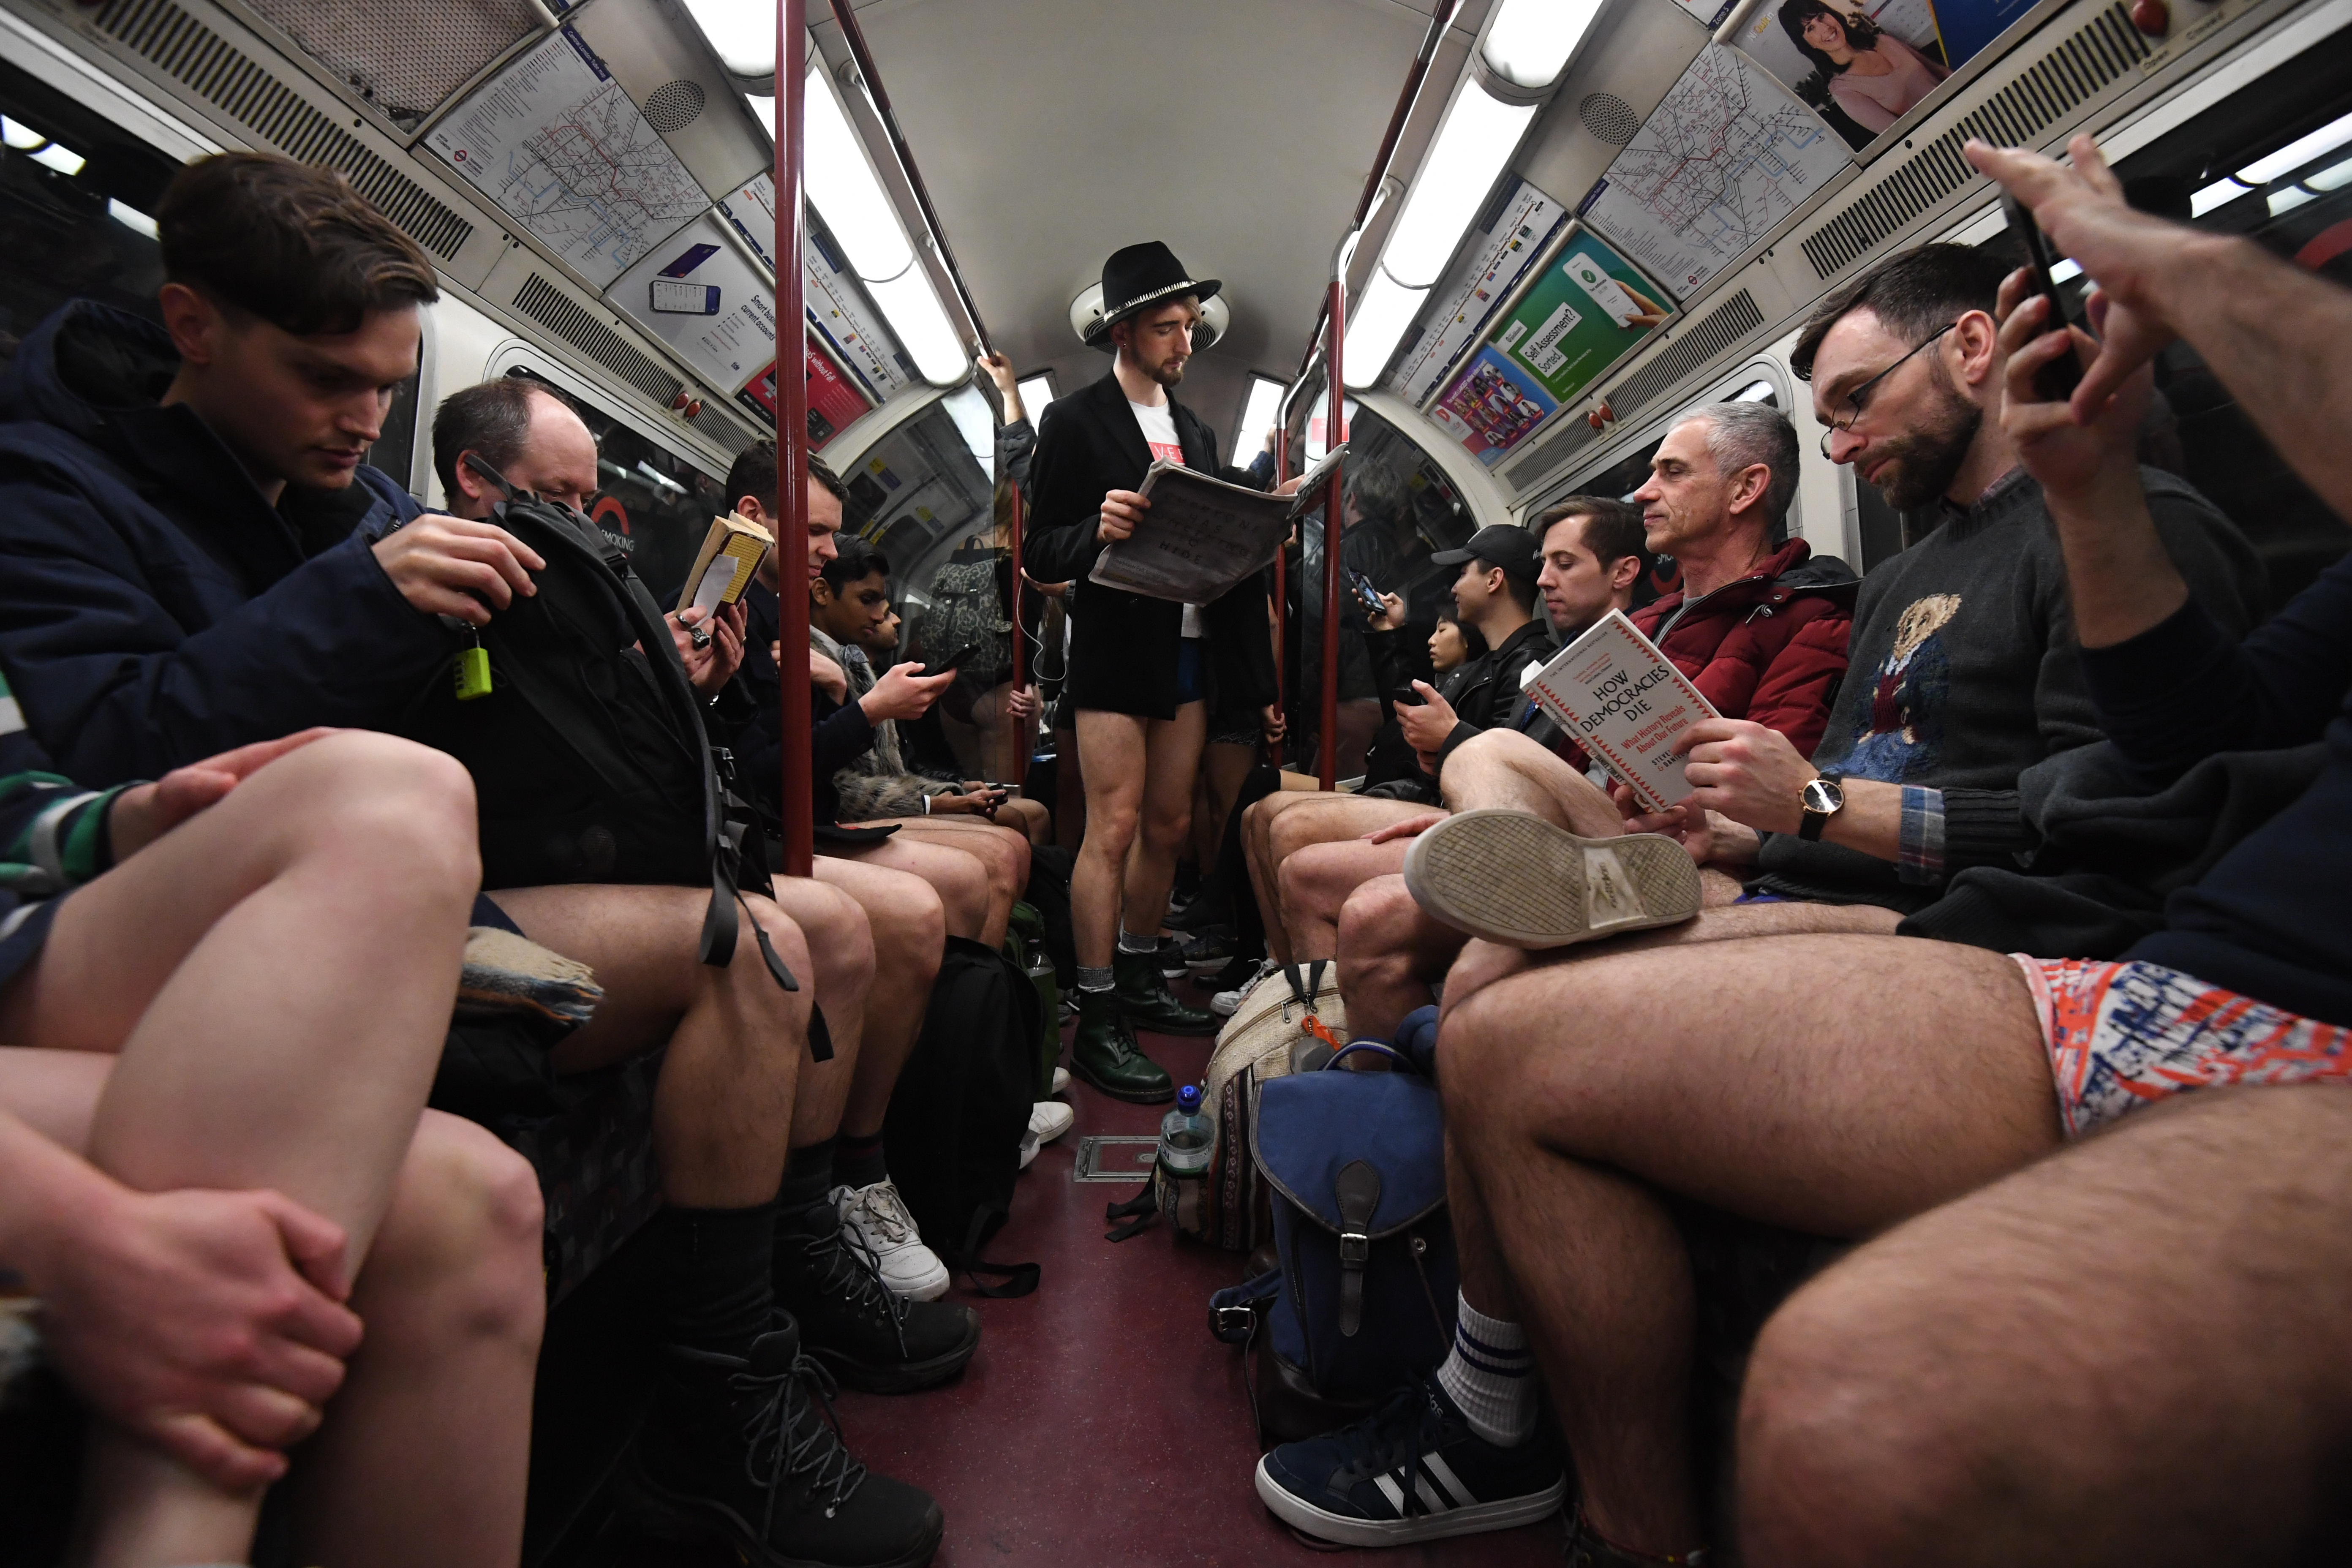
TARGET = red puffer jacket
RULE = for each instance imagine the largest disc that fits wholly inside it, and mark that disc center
(1769, 647)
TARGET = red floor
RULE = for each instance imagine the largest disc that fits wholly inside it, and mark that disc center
(1099, 1424)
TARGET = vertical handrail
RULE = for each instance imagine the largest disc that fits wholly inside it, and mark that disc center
(797, 807)
(1335, 329)
(1281, 594)
(1027, 737)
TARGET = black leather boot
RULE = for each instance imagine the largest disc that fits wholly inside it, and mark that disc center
(1147, 1003)
(1104, 1053)
(866, 1336)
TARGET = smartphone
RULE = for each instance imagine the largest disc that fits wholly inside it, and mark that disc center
(955, 661)
(1366, 595)
(2056, 381)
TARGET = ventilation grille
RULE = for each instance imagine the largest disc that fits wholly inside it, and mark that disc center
(674, 105)
(1716, 331)
(552, 308)
(195, 56)
(729, 435)
(2053, 87)
(1547, 454)
(1610, 118)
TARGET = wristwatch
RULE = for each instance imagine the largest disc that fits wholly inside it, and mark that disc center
(1822, 799)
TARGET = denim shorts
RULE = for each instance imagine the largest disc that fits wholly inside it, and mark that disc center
(1191, 670)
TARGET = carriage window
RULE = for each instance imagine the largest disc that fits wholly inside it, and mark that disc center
(652, 504)
(76, 193)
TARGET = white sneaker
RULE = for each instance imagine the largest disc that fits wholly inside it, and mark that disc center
(876, 1218)
(1224, 1003)
(1062, 1075)
(1049, 1119)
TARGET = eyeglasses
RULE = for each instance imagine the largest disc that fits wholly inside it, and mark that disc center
(1858, 400)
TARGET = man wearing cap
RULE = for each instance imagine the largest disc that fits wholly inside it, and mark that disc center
(1141, 669)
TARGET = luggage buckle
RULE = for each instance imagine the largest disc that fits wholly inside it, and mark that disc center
(722, 760)
(1355, 1248)
(1231, 1323)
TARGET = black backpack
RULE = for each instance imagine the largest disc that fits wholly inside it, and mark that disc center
(961, 1107)
(588, 755)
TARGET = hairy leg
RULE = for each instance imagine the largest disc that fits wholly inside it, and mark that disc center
(909, 934)
(1480, 962)
(1114, 748)
(1392, 956)
(2009, 1379)
(324, 900)
(1027, 817)
(959, 880)
(1069, 790)
(1503, 769)
(724, 1103)
(1310, 819)
(1173, 756)
(1317, 880)
(1258, 858)
(1794, 1086)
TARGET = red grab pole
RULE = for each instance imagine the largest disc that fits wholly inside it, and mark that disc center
(796, 808)
(1335, 329)
(1281, 590)
(1027, 739)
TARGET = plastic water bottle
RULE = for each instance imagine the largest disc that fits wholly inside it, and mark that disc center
(1187, 1138)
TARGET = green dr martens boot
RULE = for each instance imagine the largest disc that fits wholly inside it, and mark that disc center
(1104, 1053)
(1144, 997)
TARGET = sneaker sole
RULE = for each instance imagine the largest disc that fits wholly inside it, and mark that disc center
(654, 1509)
(898, 1377)
(930, 1287)
(1473, 1519)
(1133, 1097)
(1516, 879)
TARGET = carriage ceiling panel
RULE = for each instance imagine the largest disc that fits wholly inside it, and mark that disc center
(1053, 131)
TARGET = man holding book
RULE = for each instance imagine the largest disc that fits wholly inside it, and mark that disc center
(1141, 669)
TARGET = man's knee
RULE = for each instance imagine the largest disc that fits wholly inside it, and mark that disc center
(398, 805)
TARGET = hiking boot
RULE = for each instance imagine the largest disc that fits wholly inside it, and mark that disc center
(1146, 1002)
(1104, 1053)
(1412, 1470)
(863, 1333)
(1515, 879)
(876, 1218)
(745, 1453)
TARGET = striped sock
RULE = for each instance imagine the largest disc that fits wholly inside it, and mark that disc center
(1491, 1376)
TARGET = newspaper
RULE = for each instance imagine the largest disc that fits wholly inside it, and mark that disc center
(1201, 536)
(1614, 693)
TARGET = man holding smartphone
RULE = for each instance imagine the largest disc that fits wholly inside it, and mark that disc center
(1141, 669)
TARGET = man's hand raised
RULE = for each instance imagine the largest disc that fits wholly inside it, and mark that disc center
(1427, 724)
(1749, 771)
(1121, 510)
(449, 566)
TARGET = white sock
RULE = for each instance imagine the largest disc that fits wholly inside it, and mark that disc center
(1492, 1376)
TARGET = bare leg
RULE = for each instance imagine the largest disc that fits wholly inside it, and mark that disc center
(1503, 769)
(1315, 882)
(1391, 956)
(1359, 721)
(959, 880)
(909, 934)
(1308, 819)
(1825, 1108)
(1027, 817)
(1115, 750)
(1172, 757)
(324, 900)
(1003, 852)
(842, 950)
(2004, 1380)
(1069, 790)
(1258, 858)
(723, 1107)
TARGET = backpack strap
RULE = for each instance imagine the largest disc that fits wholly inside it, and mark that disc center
(1012, 1279)
(1358, 1189)
(1304, 989)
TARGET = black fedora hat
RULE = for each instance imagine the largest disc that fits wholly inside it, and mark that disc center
(1137, 276)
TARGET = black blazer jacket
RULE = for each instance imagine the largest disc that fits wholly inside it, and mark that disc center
(1123, 646)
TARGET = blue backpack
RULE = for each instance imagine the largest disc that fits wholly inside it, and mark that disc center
(1363, 1298)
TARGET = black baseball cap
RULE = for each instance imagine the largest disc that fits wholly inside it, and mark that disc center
(1503, 544)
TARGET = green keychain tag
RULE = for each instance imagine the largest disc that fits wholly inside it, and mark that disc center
(473, 672)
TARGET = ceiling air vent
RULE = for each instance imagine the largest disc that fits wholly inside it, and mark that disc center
(674, 105)
(552, 308)
(1610, 118)
(2060, 82)
(1716, 331)
(195, 56)
(1547, 454)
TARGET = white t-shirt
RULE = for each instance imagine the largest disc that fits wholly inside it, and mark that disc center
(1159, 433)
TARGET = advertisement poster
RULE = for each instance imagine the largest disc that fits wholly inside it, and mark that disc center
(1585, 310)
(1865, 64)
(836, 307)
(1492, 405)
(700, 295)
(833, 400)
(1512, 233)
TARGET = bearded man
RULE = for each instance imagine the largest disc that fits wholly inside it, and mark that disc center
(1141, 669)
